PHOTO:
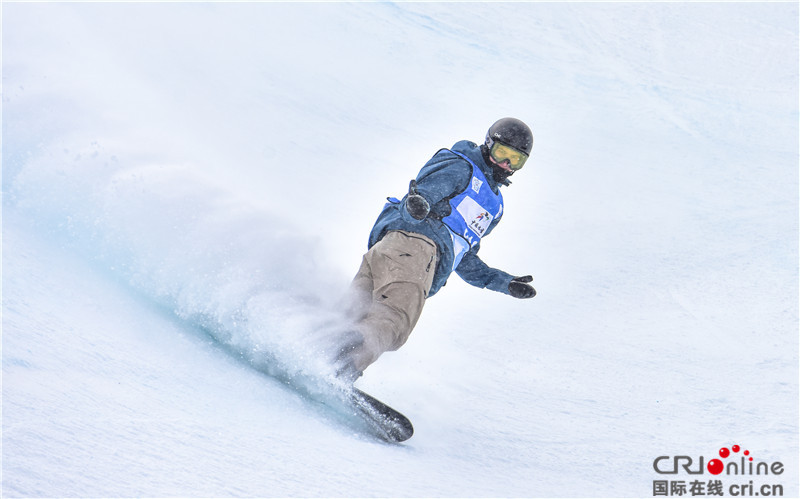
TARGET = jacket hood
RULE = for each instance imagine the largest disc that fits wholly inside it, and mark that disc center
(475, 153)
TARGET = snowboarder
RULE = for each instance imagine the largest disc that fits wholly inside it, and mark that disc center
(434, 230)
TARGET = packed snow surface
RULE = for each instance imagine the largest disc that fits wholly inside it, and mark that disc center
(188, 188)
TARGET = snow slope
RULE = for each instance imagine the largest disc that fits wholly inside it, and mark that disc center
(188, 187)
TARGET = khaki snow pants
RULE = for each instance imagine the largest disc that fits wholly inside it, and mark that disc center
(389, 292)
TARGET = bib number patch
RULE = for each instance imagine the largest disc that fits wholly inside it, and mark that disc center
(476, 216)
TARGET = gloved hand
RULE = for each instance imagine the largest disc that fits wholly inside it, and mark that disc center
(519, 287)
(416, 205)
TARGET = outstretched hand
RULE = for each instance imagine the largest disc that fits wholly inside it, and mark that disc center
(519, 287)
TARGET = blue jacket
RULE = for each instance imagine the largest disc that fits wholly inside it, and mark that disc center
(443, 177)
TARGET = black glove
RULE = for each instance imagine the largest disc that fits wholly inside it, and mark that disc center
(416, 205)
(519, 287)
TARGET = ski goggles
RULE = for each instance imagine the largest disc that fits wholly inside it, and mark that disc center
(502, 153)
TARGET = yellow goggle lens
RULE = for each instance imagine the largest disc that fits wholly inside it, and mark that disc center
(502, 152)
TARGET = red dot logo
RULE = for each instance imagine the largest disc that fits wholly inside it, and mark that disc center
(715, 466)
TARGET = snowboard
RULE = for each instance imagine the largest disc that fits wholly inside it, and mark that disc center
(354, 408)
(383, 421)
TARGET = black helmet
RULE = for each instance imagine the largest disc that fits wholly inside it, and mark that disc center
(511, 132)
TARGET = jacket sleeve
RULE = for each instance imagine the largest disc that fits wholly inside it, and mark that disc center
(475, 272)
